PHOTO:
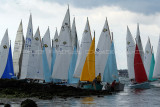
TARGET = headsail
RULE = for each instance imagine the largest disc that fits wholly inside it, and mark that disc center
(111, 72)
(84, 47)
(103, 49)
(63, 58)
(88, 71)
(152, 67)
(18, 50)
(9, 71)
(139, 70)
(4, 50)
(130, 48)
(26, 50)
(72, 66)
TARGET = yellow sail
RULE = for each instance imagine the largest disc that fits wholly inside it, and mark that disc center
(88, 72)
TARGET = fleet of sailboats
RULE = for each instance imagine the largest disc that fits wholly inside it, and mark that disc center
(65, 60)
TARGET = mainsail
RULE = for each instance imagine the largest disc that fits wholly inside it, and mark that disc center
(156, 73)
(4, 50)
(18, 50)
(35, 66)
(139, 43)
(130, 48)
(63, 58)
(147, 57)
(103, 49)
(152, 67)
(26, 50)
(84, 47)
(56, 41)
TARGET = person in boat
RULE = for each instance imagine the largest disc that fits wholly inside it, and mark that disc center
(108, 86)
(99, 78)
(133, 81)
(94, 83)
(113, 85)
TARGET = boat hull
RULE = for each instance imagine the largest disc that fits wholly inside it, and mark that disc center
(144, 85)
(92, 87)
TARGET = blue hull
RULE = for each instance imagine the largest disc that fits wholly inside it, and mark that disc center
(91, 87)
(144, 85)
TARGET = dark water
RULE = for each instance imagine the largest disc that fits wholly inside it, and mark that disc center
(127, 98)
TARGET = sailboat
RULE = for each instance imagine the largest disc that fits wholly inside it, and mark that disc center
(71, 79)
(18, 50)
(4, 50)
(9, 71)
(103, 48)
(26, 50)
(111, 73)
(55, 44)
(84, 47)
(147, 57)
(130, 50)
(140, 74)
(156, 73)
(35, 66)
(63, 58)
(88, 71)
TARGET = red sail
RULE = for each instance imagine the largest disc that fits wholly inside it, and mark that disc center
(139, 70)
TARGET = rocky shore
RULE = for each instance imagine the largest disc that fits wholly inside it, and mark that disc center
(23, 89)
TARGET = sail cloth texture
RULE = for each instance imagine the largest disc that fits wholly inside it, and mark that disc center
(130, 49)
(88, 72)
(9, 71)
(111, 72)
(152, 68)
(140, 74)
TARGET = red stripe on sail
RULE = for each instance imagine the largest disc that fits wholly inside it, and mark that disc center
(139, 70)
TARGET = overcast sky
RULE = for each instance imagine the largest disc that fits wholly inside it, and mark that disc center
(119, 13)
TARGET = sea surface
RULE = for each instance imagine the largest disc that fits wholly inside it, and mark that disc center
(127, 98)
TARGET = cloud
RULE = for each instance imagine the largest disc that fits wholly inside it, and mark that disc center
(139, 6)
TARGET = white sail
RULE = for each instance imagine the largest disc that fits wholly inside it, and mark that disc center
(139, 43)
(18, 49)
(4, 49)
(130, 48)
(26, 50)
(147, 57)
(63, 57)
(103, 49)
(47, 44)
(85, 45)
(56, 41)
(74, 35)
(156, 73)
(35, 66)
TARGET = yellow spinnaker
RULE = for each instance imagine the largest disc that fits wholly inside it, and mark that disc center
(88, 72)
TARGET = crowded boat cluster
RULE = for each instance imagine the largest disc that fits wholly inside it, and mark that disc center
(62, 60)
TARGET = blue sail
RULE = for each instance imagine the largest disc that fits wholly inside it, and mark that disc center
(47, 73)
(52, 64)
(71, 79)
(152, 68)
(111, 73)
(9, 71)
